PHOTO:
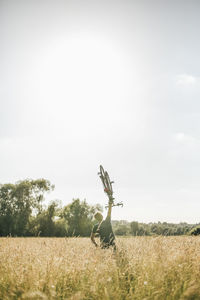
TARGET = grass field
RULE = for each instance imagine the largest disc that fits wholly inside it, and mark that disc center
(71, 268)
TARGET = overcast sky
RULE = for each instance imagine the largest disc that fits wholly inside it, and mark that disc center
(117, 83)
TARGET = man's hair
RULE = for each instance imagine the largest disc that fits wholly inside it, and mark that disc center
(98, 216)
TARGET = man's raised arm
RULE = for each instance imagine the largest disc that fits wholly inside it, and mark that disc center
(109, 208)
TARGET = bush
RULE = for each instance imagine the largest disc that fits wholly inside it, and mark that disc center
(195, 231)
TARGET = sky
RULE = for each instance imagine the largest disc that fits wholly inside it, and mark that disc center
(112, 83)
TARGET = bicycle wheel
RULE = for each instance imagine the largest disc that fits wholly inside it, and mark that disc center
(108, 183)
(102, 172)
(102, 176)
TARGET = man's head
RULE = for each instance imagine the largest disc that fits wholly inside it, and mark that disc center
(98, 216)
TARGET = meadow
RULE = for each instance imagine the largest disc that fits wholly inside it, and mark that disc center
(72, 268)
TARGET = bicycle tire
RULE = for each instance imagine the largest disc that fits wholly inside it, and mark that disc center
(102, 176)
(102, 170)
(108, 182)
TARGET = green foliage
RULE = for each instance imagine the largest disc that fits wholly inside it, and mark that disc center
(195, 231)
(122, 229)
(44, 224)
(22, 214)
(141, 229)
(134, 228)
(18, 201)
(79, 217)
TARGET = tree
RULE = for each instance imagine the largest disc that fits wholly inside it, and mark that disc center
(156, 229)
(122, 229)
(18, 201)
(79, 217)
(134, 228)
(44, 224)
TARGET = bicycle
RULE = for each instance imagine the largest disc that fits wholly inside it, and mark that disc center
(107, 185)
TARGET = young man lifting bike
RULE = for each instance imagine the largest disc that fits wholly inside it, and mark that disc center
(103, 228)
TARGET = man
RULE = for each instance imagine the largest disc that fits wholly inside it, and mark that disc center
(104, 230)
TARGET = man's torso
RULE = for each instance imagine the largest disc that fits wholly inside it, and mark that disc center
(105, 232)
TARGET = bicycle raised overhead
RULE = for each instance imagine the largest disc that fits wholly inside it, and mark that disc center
(107, 185)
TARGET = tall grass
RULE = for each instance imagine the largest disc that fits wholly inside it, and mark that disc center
(71, 268)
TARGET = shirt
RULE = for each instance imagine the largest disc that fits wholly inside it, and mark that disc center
(105, 232)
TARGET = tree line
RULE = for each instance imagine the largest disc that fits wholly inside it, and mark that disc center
(151, 229)
(23, 213)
